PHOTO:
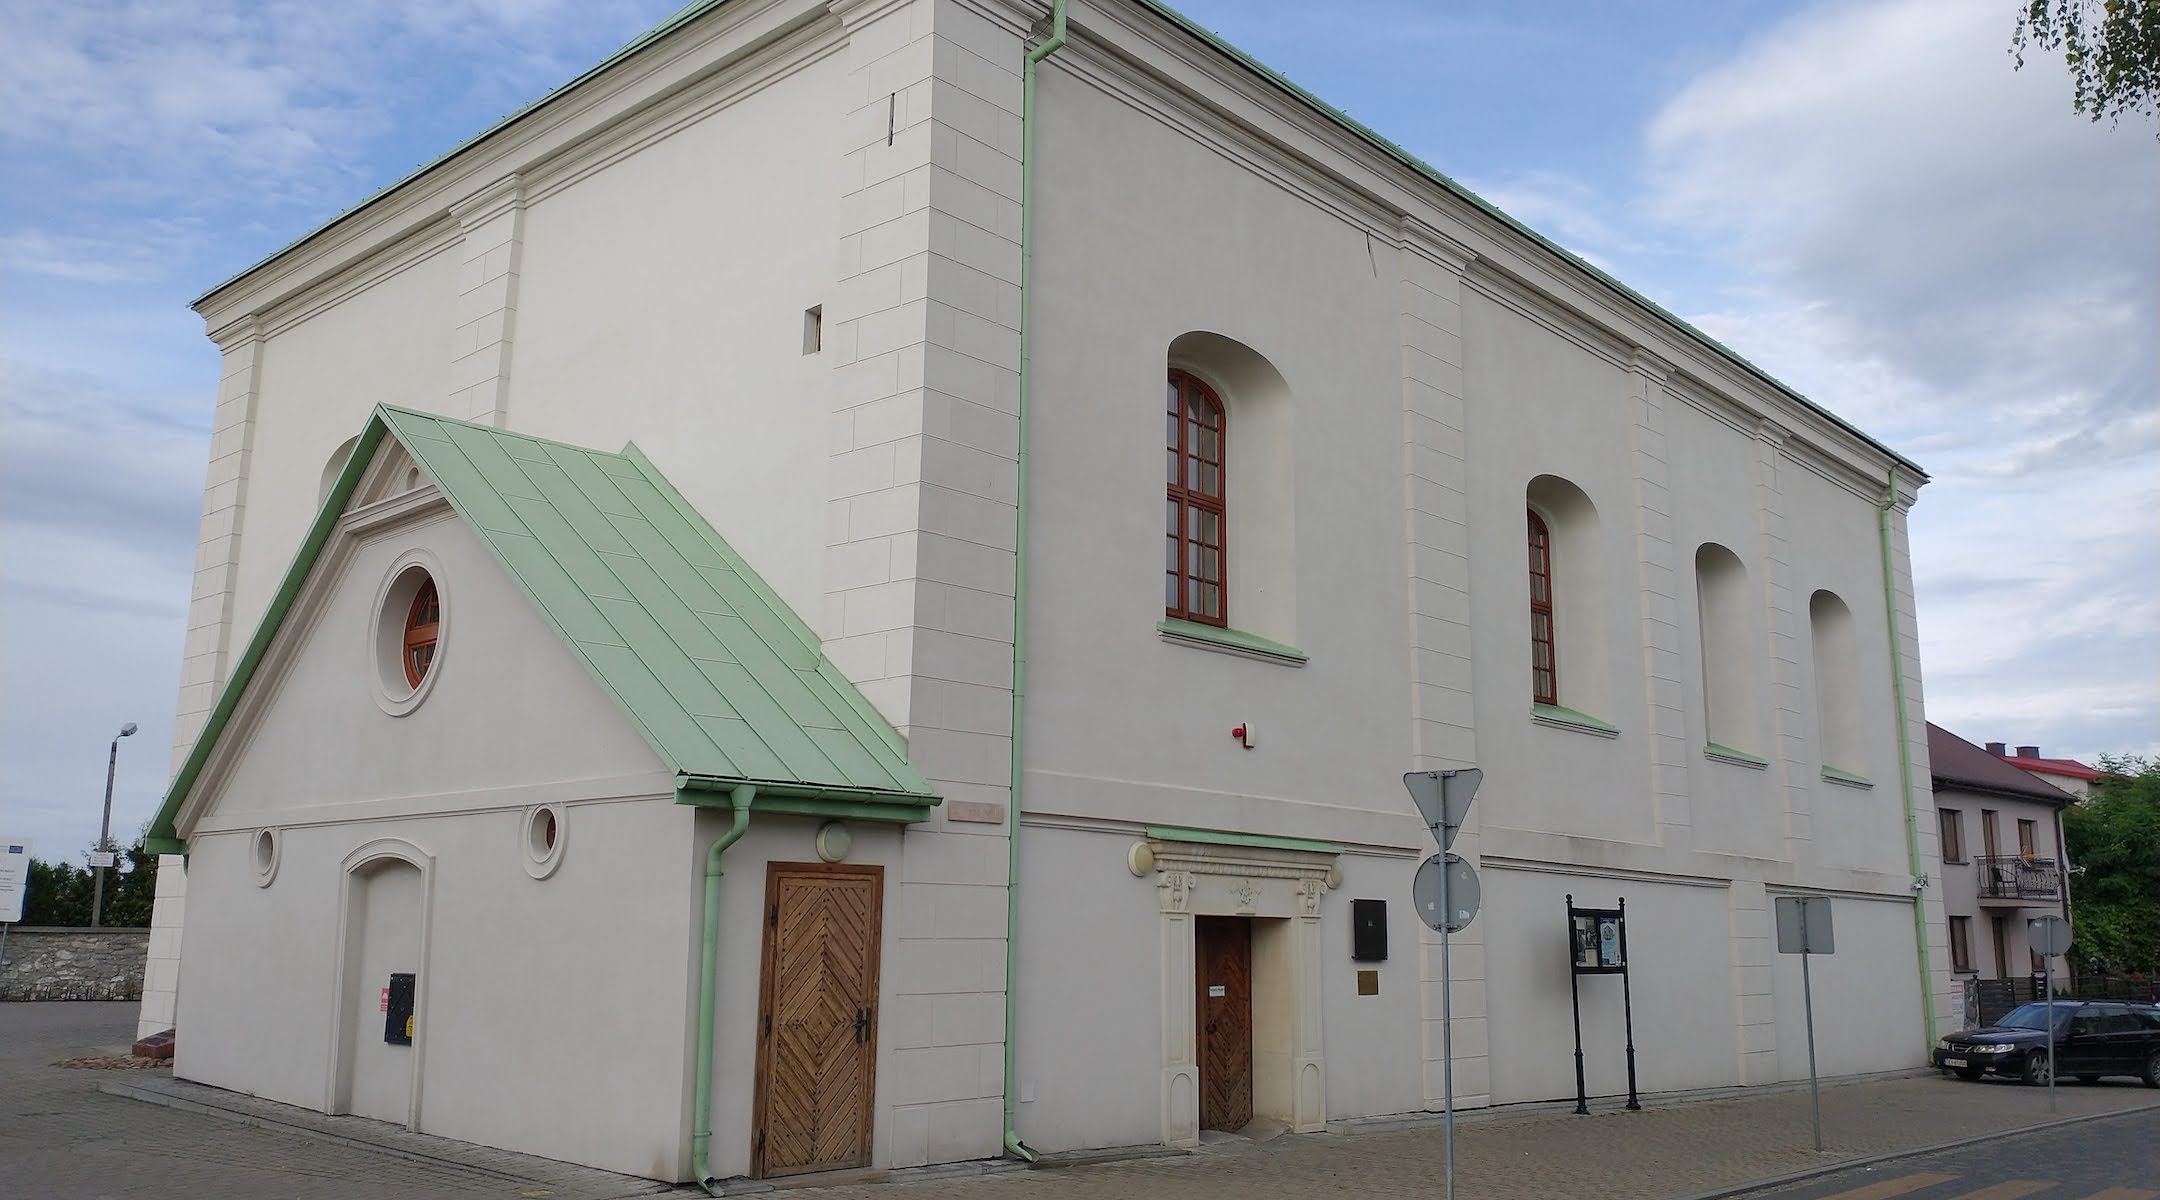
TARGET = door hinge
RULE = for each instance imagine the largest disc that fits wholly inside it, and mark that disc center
(768, 1024)
(761, 1141)
(772, 917)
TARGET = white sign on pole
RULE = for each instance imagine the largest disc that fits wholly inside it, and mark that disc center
(102, 858)
(1803, 925)
(1803, 928)
(1444, 798)
(2050, 935)
(1445, 893)
(14, 878)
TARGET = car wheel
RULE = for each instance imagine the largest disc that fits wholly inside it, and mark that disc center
(1969, 1072)
(2152, 1070)
(2036, 1068)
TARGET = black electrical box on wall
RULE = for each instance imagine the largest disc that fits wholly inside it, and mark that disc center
(1368, 930)
(398, 1010)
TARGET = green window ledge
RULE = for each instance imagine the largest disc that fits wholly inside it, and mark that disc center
(1738, 758)
(1847, 778)
(1568, 718)
(1229, 641)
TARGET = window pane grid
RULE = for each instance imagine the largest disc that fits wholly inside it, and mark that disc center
(1195, 571)
(1544, 660)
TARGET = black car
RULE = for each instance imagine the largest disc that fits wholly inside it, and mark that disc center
(2092, 1038)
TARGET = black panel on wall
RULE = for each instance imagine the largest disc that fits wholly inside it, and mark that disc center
(1368, 930)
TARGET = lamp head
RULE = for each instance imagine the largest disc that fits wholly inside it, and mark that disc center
(128, 730)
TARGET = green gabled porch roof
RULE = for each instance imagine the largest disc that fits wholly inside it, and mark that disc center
(724, 681)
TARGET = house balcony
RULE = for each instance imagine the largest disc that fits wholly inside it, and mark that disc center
(2013, 879)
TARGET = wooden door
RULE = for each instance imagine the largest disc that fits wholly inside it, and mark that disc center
(1222, 975)
(817, 1018)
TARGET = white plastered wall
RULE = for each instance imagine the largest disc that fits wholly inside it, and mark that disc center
(567, 991)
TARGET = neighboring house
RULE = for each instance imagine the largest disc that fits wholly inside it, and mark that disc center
(2000, 830)
(2068, 774)
(648, 473)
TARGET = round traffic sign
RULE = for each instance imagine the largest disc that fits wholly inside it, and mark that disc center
(1463, 892)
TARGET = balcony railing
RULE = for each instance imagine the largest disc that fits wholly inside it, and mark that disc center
(2015, 877)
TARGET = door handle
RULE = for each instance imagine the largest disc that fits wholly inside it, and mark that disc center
(862, 1025)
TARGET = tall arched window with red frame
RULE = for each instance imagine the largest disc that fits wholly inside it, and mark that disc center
(1193, 567)
(1544, 663)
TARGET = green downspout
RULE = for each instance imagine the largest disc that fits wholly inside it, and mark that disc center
(1049, 46)
(1904, 748)
(708, 973)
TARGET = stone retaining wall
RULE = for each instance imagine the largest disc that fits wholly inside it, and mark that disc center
(69, 963)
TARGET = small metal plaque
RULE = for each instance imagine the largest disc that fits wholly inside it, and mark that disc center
(1368, 983)
(1217, 991)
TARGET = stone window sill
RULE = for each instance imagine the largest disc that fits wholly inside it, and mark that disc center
(1851, 779)
(1738, 758)
(1229, 641)
(1556, 717)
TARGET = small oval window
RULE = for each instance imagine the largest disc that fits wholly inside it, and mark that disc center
(423, 625)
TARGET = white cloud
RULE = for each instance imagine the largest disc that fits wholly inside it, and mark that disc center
(1938, 248)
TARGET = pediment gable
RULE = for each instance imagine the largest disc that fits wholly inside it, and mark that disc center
(721, 679)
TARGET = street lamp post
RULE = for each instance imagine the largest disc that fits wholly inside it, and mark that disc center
(104, 840)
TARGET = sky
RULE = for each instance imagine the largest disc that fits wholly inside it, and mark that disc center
(1865, 199)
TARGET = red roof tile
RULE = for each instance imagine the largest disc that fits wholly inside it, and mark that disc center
(2067, 767)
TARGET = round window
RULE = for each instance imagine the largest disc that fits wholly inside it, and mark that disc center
(543, 839)
(263, 855)
(410, 631)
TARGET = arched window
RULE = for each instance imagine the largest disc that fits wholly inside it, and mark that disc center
(1544, 662)
(1725, 612)
(1568, 614)
(1194, 538)
(335, 467)
(423, 625)
(1838, 714)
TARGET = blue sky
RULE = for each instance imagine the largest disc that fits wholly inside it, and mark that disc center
(1863, 198)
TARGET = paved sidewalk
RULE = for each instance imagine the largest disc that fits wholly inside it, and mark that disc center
(62, 1137)
(1662, 1152)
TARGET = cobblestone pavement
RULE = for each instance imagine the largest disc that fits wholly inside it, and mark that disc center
(61, 1138)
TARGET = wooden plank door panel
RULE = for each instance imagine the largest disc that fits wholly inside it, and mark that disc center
(817, 1018)
(1222, 977)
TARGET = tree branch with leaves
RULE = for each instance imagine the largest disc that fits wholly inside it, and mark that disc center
(2111, 47)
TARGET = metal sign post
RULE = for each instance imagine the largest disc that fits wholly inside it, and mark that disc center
(1445, 893)
(2049, 936)
(1803, 928)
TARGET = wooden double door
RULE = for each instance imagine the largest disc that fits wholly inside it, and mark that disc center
(817, 1018)
(1223, 1021)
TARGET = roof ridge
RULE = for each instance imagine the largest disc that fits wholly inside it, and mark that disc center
(696, 8)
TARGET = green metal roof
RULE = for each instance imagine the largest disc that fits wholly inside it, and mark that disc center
(721, 677)
(697, 8)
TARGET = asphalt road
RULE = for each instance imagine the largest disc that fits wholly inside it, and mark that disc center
(2113, 1158)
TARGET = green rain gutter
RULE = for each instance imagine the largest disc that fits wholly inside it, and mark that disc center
(1049, 46)
(708, 973)
(1904, 748)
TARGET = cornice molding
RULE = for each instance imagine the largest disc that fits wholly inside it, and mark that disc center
(242, 331)
(1428, 243)
(504, 195)
(856, 13)
(1649, 365)
(602, 106)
